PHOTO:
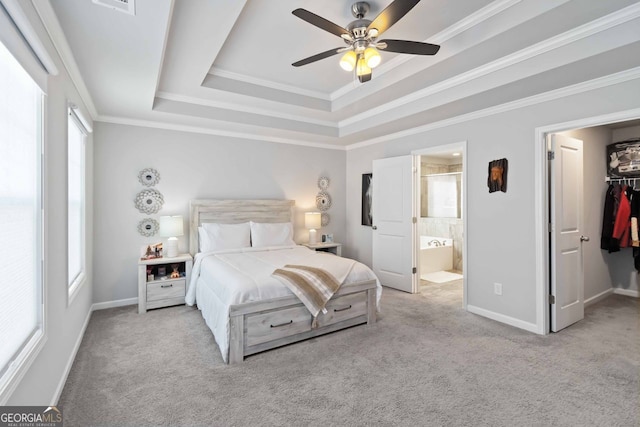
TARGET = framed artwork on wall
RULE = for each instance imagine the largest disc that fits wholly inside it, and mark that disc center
(497, 179)
(367, 194)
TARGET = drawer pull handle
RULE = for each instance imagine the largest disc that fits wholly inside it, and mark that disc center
(342, 309)
(282, 324)
(167, 286)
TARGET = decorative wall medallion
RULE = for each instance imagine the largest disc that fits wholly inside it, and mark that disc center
(323, 183)
(323, 201)
(149, 201)
(148, 227)
(324, 219)
(149, 177)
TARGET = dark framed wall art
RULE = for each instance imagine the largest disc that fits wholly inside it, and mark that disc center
(367, 196)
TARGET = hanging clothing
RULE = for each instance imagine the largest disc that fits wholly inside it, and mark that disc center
(621, 227)
(608, 219)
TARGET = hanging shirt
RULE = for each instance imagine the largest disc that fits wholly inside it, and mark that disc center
(608, 219)
(621, 226)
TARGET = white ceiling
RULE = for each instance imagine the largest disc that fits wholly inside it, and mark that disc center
(224, 67)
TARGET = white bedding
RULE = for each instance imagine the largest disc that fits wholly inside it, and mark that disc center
(225, 278)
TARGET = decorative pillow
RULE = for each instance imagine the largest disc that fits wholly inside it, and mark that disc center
(271, 234)
(217, 237)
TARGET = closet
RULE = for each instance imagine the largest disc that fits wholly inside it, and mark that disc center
(609, 167)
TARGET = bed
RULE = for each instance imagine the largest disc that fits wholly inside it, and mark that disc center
(249, 310)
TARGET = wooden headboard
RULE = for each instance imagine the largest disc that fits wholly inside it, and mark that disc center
(233, 212)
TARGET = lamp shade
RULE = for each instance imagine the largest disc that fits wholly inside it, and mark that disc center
(372, 57)
(171, 226)
(348, 60)
(312, 220)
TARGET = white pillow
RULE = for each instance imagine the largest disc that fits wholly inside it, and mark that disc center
(271, 234)
(217, 237)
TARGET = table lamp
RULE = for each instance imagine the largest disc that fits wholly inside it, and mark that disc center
(312, 221)
(171, 227)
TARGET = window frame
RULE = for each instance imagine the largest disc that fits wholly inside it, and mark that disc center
(25, 355)
(76, 283)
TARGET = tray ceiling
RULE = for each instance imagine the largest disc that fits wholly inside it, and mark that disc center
(225, 67)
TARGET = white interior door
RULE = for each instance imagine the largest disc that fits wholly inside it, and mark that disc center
(393, 207)
(567, 214)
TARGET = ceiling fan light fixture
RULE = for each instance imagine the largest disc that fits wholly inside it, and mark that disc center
(362, 68)
(372, 57)
(348, 60)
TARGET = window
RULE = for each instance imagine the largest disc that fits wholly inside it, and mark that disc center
(76, 203)
(441, 195)
(21, 305)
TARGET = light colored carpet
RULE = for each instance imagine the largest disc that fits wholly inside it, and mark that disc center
(426, 362)
(441, 276)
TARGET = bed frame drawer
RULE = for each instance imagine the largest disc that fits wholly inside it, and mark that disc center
(277, 324)
(166, 289)
(343, 308)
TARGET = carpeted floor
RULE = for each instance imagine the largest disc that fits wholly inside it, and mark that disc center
(426, 362)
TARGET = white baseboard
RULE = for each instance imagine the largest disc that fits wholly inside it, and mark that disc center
(72, 357)
(627, 292)
(527, 326)
(116, 303)
(599, 297)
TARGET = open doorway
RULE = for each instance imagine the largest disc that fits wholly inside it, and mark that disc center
(440, 223)
(579, 273)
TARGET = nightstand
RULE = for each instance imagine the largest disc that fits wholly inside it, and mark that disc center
(156, 287)
(334, 248)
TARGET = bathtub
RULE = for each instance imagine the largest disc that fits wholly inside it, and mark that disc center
(435, 258)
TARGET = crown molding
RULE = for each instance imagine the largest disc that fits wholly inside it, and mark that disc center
(598, 25)
(243, 109)
(470, 21)
(212, 131)
(59, 40)
(601, 82)
(269, 84)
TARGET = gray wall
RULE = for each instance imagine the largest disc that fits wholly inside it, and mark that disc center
(64, 322)
(626, 133)
(501, 235)
(195, 166)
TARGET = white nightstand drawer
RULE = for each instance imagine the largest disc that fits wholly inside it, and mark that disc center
(166, 289)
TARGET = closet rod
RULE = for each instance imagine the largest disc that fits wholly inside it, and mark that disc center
(628, 181)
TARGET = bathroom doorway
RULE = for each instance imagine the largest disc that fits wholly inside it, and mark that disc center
(440, 223)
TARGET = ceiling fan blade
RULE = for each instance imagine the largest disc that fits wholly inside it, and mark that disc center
(320, 22)
(318, 57)
(392, 14)
(411, 47)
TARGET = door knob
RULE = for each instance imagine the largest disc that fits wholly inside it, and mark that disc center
(584, 239)
(374, 228)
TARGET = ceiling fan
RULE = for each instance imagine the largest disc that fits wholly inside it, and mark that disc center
(361, 37)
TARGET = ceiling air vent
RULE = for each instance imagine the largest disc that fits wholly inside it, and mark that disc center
(126, 6)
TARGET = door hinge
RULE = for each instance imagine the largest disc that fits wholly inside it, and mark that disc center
(415, 270)
(552, 299)
(415, 220)
(551, 155)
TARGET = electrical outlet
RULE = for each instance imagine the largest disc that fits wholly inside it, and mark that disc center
(497, 288)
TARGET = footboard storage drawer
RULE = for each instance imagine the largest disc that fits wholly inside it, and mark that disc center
(261, 328)
(344, 308)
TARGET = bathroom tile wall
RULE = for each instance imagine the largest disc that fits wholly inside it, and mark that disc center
(450, 228)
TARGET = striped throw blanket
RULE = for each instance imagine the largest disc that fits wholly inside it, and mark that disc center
(313, 286)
